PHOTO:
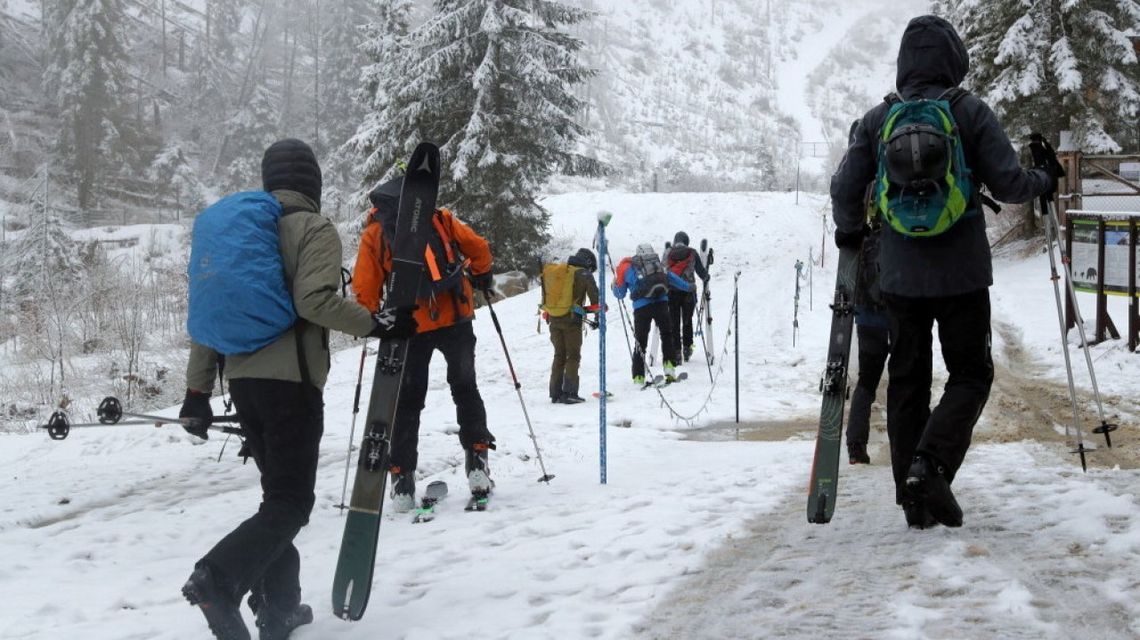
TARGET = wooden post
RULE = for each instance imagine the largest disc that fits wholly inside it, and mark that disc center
(1133, 299)
(1066, 263)
(1101, 298)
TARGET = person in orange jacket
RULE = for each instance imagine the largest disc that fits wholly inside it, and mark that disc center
(446, 307)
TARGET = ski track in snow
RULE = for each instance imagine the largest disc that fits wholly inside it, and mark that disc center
(687, 539)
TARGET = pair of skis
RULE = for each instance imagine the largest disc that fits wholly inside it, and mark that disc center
(660, 381)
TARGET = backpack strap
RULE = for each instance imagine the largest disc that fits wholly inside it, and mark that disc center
(892, 98)
(299, 325)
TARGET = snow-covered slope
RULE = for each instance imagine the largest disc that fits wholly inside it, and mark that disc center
(695, 534)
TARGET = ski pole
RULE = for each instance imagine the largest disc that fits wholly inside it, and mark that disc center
(58, 426)
(487, 295)
(1050, 158)
(352, 429)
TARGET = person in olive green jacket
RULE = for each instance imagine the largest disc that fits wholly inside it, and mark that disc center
(566, 331)
(278, 394)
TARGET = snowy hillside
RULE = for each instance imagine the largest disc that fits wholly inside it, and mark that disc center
(695, 535)
(720, 94)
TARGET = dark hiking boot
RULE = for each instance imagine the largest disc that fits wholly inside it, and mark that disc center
(403, 490)
(571, 398)
(857, 454)
(556, 399)
(275, 624)
(478, 469)
(918, 516)
(926, 482)
(220, 607)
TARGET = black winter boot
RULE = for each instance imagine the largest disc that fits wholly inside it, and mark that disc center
(275, 624)
(926, 482)
(218, 604)
(917, 515)
(857, 454)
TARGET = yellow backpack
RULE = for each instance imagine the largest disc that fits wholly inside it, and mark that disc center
(558, 288)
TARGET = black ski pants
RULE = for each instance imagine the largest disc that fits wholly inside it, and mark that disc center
(566, 336)
(643, 320)
(682, 304)
(283, 423)
(457, 344)
(874, 346)
(943, 433)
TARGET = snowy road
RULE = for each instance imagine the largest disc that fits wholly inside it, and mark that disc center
(1045, 553)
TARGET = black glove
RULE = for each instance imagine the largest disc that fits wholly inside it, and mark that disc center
(483, 281)
(1045, 158)
(197, 408)
(851, 239)
(394, 322)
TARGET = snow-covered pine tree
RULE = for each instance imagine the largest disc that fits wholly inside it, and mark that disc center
(88, 77)
(492, 82)
(343, 58)
(1054, 66)
(375, 148)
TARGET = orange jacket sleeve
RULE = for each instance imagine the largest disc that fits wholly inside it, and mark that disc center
(369, 272)
(471, 244)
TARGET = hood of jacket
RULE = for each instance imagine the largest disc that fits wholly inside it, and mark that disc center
(931, 54)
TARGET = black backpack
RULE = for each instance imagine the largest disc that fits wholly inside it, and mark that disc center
(652, 280)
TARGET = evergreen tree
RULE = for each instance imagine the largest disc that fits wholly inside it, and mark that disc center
(248, 133)
(491, 81)
(87, 75)
(383, 94)
(344, 61)
(1053, 66)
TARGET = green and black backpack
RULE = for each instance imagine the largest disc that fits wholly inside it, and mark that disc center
(922, 185)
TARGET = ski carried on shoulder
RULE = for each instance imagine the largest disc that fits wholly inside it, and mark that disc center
(352, 581)
(833, 385)
(435, 492)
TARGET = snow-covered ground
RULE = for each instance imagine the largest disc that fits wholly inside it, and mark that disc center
(695, 534)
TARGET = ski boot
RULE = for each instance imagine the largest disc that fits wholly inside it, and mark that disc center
(218, 604)
(403, 491)
(670, 372)
(857, 454)
(926, 482)
(572, 398)
(274, 624)
(478, 471)
(688, 352)
(639, 380)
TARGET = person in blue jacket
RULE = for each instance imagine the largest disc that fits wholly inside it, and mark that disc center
(648, 281)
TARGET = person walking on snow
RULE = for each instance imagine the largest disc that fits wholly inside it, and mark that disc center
(872, 326)
(685, 262)
(446, 307)
(278, 394)
(566, 327)
(938, 278)
(647, 281)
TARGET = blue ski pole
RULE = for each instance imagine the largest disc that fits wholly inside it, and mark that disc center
(603, 220)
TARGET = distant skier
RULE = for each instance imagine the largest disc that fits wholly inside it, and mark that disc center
(446, 308)
(277, 390)
(565, 288)
(647, 282)
(934, 261)
(685, 262)
(872, 325)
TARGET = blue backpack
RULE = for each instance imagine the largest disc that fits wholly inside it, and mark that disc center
(239, 300)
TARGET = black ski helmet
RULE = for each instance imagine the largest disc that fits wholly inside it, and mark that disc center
(681, 238)
(584, 259)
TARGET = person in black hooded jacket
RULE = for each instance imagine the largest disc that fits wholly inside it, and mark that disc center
(942, 278)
